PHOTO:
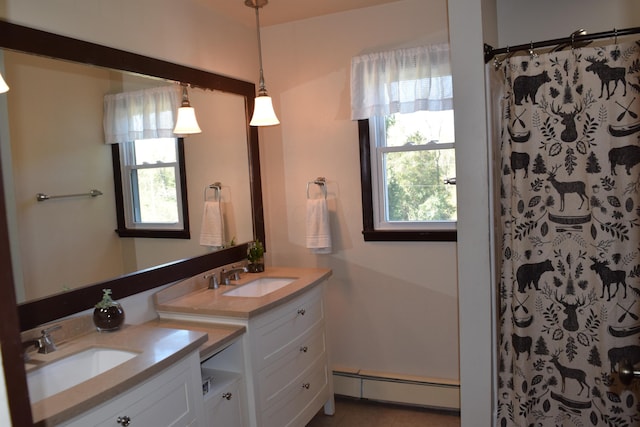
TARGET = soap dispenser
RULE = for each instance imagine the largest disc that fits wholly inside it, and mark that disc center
(108, 314)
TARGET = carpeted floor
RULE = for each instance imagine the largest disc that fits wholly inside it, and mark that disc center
(363, 413)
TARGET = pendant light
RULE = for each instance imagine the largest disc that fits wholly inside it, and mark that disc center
(186, 123)
(263, 114)
(3, 85)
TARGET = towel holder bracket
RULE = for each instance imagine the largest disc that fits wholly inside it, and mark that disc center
(320, 181)
(217, 187)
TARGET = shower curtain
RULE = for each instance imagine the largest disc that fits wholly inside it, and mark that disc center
(568, 236)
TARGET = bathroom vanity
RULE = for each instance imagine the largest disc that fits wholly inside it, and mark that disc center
(283, 355)
(140, 373)
(252, 353)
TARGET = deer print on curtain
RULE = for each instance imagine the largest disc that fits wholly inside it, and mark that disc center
(570, 223)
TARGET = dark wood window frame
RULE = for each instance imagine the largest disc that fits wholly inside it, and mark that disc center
(122, 229)
(368, 230)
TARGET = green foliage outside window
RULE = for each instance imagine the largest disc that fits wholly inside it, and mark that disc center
(415, 188)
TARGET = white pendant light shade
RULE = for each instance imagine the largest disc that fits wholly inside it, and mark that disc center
(186, 124)
(263, 113)
(3, 85)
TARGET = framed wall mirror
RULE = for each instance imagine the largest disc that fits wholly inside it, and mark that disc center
(153, 267)
(58, 83)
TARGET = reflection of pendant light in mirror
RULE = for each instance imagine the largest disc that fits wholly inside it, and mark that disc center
(263, 114)
(186, 123)
(3, 85)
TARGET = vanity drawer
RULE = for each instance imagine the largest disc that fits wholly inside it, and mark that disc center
(290, 365)
(297, 396)
(279, 329)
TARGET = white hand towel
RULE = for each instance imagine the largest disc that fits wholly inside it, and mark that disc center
(212, 230)
(318, 229)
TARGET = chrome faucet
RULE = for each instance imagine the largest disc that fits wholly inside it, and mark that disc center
(234, 274)
(213, 280)
(44, 343)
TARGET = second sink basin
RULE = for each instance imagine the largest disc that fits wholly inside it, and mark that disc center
(73, 370)
(260, 287)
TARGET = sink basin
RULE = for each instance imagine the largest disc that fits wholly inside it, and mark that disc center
(260, 287)
(73, 370)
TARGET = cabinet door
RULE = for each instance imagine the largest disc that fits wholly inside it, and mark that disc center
(224, 408)
(171, 398)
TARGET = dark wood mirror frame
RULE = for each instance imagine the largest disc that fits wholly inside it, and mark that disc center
(15, 318)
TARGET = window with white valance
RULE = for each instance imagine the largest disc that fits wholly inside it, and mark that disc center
(401, 81)
(141, 114)
(403, 100)
(149, 167)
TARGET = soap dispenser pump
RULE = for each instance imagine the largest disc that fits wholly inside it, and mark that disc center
(108, 314)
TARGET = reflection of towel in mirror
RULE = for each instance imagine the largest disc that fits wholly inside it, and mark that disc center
(212, 228)
(318, 230)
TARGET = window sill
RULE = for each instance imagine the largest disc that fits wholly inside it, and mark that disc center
(410, 235)
(157, 234)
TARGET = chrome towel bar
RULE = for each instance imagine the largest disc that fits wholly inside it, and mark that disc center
(41, 197)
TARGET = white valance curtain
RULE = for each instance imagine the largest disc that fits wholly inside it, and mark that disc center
(401, 81)
(141, 114)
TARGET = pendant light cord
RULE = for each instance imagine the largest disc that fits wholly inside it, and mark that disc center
(262, 89)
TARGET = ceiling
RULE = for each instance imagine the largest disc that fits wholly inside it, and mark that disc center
(282, 11)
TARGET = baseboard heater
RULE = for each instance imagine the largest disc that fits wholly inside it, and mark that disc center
(406, 390)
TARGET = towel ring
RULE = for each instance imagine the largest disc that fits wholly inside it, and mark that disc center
(217, 187)
(321, 182)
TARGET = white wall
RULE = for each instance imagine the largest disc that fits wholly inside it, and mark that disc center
(550, 19)
(468, 22)
(392, 306)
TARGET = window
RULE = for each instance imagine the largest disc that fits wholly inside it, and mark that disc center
(151, 188)
(408, 194)
(403, 101)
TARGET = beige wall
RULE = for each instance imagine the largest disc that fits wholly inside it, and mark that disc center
(185, 32)
(392, 307)
(51, 157)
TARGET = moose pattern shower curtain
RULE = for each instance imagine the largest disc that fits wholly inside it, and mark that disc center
(569, 236)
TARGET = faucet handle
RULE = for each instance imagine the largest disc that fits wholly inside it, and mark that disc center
(47, 331)
(213, 280)
(46, 343)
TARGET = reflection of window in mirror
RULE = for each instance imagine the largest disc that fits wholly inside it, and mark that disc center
(151, 188)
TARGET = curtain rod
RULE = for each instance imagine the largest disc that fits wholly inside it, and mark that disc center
(490, 52)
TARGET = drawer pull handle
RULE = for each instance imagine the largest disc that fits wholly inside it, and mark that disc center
(227, 396)
(125, 421)
(302, 311)
(306, 386)
(304, 349)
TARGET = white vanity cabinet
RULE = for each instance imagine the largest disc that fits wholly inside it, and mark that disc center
(285, 356)
(171, 398)
(288, 353)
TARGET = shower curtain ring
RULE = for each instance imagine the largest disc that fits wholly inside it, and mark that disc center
(615, 36)
(532, 54)
(573, 35)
